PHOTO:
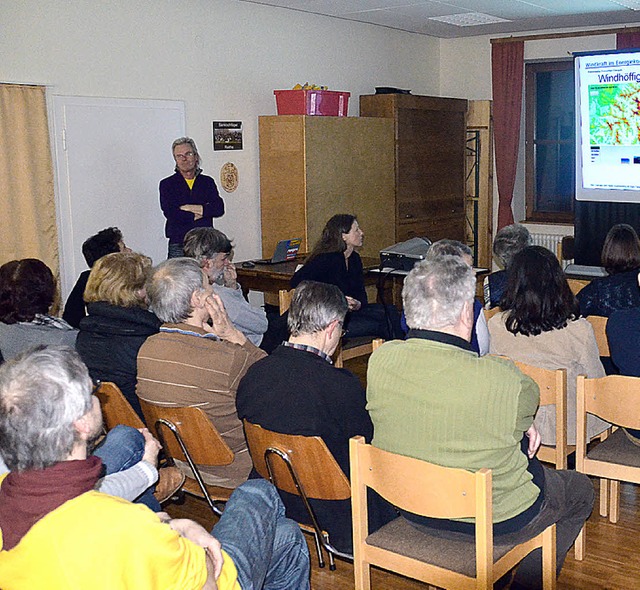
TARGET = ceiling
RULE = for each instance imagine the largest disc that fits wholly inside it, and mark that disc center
(466, 18)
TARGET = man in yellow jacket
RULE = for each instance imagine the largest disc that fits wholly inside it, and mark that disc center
(57, 532)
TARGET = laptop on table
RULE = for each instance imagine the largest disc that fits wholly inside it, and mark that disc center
(285, 250)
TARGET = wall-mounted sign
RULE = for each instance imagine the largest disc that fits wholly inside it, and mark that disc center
(227, 135)
(229, 177)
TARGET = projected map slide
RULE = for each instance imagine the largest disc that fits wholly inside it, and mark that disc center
(610, 121)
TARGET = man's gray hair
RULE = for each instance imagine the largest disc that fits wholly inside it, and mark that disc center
(448, 248)
(314, 306)
(509, 241)
(203, 243)
(170, 287)
(43, 391)
(435, 291)
(194, 149)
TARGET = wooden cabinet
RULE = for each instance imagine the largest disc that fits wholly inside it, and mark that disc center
(314, 167)
(430, 138)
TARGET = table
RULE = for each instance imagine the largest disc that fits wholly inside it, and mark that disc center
(271, 278)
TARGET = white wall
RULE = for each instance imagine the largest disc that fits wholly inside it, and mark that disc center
(224, 58)
(465, 72)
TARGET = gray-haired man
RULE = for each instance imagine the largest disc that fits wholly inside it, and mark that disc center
(432, 398)
(214, 251)
(57, 532)
(191, 363)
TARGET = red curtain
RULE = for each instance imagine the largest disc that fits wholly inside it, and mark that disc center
(628, 40)
(507, 68)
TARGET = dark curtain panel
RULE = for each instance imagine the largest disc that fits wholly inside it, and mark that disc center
(507, 66)
(628, 40)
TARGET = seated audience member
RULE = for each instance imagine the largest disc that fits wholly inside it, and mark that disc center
(507, 243)
(334, 260)
(190, 363)
(214, 251)
(621, 259)
(129, 459)
(623, 334)
(297, 390)
(431, 398)
(118, 322)
(58, 532)
(480, 331)
(104, 242)
(27, 292)
(540, 326)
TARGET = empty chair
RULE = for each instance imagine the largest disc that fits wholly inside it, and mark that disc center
(616, 399)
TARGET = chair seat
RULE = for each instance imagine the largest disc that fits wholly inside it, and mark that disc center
(216, 493)
(451, 551)
(349, 343)
(616, 448)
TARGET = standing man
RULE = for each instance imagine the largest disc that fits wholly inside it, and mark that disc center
(432, 398)
(188, 198)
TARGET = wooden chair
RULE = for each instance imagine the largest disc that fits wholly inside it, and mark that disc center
(194, 440)
(576, 285)
(304, 466)
(553, 392)
(440, 492)
(354, 347)
(489, 313)
(116, 409)
(284, 299)
(616, 399)
(599, 325)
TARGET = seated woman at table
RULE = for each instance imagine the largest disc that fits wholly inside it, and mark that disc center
(541, 326)
(334, 260)
(621, 259)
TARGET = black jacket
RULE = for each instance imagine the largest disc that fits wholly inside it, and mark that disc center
(109, 340)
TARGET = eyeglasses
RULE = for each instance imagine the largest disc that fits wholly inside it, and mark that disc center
(342, 330)
(185, 156)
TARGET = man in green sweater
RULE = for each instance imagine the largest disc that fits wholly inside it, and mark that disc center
(432, 398)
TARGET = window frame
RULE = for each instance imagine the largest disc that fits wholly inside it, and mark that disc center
(530, 93)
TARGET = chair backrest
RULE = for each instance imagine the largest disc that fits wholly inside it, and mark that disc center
(615, 399)
(116, 409)
(553, 391)
(284, 299)
(200, 437)
(312, 462)
(576, 285)
(599, 325)
(489, 313)
(422, 488)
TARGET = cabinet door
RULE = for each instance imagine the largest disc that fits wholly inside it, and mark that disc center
(430, 166)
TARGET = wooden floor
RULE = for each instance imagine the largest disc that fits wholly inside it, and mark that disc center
(612, 559)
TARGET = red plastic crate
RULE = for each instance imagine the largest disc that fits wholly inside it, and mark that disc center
(329, 103)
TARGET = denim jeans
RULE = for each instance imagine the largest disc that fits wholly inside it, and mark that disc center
(122, 448)
(267, 548)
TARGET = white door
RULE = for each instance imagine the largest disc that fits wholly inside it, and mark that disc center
(110, 154)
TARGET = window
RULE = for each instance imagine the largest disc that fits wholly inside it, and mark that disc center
(550, 141)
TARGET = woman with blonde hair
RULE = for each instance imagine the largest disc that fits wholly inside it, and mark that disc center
(118, 322)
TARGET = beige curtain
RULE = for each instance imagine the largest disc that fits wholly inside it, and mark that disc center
(27, 207)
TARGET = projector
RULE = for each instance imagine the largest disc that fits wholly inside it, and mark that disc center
(403, 256)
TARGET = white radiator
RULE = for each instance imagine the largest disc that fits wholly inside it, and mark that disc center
(548, 240)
